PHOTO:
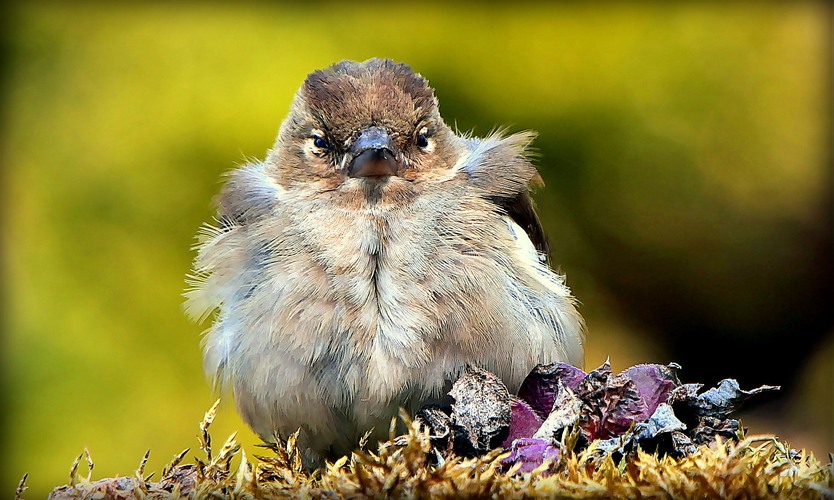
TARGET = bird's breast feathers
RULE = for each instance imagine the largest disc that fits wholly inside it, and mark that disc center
(365, 297)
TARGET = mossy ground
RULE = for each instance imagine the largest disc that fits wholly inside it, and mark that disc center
(755, 467)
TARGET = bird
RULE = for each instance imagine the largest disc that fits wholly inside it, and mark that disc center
(370, 257)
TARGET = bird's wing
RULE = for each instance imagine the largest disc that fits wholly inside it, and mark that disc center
(521, 210)
(249, 193)
(499, 165)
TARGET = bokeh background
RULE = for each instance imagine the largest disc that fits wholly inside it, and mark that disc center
(686, 149)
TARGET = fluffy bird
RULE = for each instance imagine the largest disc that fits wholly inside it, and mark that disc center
(369, 258)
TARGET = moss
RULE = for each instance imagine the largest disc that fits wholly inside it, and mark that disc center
(756, 467)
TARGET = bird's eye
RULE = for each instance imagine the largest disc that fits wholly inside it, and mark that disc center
(422, 141)
(319, 142)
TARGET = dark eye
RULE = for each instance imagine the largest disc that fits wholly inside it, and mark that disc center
(319, 142)
(422, 141)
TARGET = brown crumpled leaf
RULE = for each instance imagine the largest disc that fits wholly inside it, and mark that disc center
(438, 424)
(480, 413)
(710, 427)
(610, 404)
(435, 420)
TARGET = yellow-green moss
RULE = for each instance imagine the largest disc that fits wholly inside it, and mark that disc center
(757, 467)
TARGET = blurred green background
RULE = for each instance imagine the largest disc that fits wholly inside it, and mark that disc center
(686, 149)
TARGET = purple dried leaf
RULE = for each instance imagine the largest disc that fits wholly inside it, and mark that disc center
(654, 383)
(531, 453)
(539, 387)
(523, 424)
(565, 413)
(657, 433)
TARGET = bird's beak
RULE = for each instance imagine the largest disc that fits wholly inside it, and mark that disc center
(374, 155)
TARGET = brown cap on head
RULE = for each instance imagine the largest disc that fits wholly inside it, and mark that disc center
(377, 92)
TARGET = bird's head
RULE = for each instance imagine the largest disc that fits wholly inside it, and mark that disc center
(358, 124)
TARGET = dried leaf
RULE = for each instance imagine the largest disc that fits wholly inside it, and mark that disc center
(663, 420)
(610, 404)
(539, 387)
(728, 397)
(709, 428)
(435, 421)
(531, 454)
(481, 410)
(566, 412)
(524, 422)
(654, 383)
(74, 470)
